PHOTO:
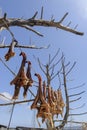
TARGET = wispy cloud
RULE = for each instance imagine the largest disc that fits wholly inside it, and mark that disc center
(5, 96)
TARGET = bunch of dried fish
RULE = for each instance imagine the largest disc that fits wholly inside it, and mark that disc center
(22, 79)
(47, 102)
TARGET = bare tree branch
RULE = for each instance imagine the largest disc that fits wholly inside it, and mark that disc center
(34, 15)
(34, 22)
(25, 46)
(74, 100)
(31, 92)
(59, 81)
(41, 13)
(11, 117)
(63, 17)
(16, 102)
(56, 63)
(78, 114)
(51, 60)
(68, 24)
(78, 107)
(52, 77)
(52, 19)
(76, 26)
(30, 29)
(41, 67)
(71, 68)
(77, 122)
(76, 94)
(2, 95)
(4, 21)
(67, 98)
(67, 64)
(7, 67)
(76, 87)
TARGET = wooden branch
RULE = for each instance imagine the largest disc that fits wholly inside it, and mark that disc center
(41, 13)
(67, 98)
(52, 71)
(37, 22)
(76, 26)
(7, 67)
(52, 18)
(11, 117)
(77, 122)
(31, 93)
(71, 68)
(56, 74)
(74, 100)
(17, 102)
(55, 64)
(52, 59)
(41, 66)
(2, 95)
(76, 94)
(25, 46)
(63, 18)
(77, 107)
(49, 59)
(78, 114)
(4, 21)
(34, 15)
(30, 29)
(68, 24)
(59, 81)
(48, 76)
(77, 87)
(67, 64)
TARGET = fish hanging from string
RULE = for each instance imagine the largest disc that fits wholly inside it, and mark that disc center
(11, 52)
(43, 108)
(30, 80)
(21, 78)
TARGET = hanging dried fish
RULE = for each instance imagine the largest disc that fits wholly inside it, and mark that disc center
(30, 82)
(21, 78)
(52, 95)
(40, 103)
(44, 90)
(16, 92)
(11, 52)
(58, 109)
(50, 101)
(39, 97)
(60, 99)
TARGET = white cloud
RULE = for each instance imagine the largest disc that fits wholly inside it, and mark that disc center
(5, 96)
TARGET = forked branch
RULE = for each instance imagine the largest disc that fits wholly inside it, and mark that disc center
(67, 98)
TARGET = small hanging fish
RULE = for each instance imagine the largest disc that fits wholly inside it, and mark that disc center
(11, 52)
(30, 82)
(21, 78)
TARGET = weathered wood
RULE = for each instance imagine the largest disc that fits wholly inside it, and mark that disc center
(26, 23)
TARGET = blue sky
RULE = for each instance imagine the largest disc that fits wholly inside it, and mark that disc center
(73, 46)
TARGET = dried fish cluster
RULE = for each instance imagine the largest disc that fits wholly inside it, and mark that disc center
(23, 78)
(47, 102)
